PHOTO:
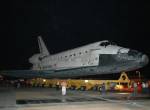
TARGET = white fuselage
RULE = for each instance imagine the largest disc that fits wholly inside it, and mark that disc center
(87, 55)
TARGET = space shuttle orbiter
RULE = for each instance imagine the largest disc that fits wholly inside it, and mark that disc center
(103, 57)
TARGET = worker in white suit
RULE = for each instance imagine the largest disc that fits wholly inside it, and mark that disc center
(63, 85)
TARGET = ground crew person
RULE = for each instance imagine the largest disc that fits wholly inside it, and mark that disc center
(134, 89)
(103, 89)
(63, 85)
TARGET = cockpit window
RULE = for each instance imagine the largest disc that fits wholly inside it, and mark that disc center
(106, 43)
(113, 43)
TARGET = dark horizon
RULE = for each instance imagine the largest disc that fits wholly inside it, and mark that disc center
(66, 24)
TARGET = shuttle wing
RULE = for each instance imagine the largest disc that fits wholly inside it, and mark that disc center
(64, 73)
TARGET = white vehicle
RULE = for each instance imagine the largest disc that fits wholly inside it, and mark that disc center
(102, 57)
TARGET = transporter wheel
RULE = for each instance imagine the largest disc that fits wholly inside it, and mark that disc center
(73, 87)
(100, 89)
(94, 88)
(83, 88)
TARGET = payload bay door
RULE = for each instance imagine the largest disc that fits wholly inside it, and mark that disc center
(94, 58)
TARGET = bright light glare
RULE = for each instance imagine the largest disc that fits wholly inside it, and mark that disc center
(86, 81)
(118, 87)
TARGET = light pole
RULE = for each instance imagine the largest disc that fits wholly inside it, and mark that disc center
(138, 72)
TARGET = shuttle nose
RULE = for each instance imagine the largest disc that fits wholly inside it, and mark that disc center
(144, 60)
(138, 56)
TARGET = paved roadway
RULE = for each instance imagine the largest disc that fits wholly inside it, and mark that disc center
(49, 99)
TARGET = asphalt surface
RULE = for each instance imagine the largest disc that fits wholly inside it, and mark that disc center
(47, 99)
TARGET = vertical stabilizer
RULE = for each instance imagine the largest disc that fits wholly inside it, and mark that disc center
(42, 46)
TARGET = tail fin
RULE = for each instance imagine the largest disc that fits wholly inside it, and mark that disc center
(42, 46)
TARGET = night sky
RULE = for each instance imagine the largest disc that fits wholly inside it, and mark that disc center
(68, 24)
